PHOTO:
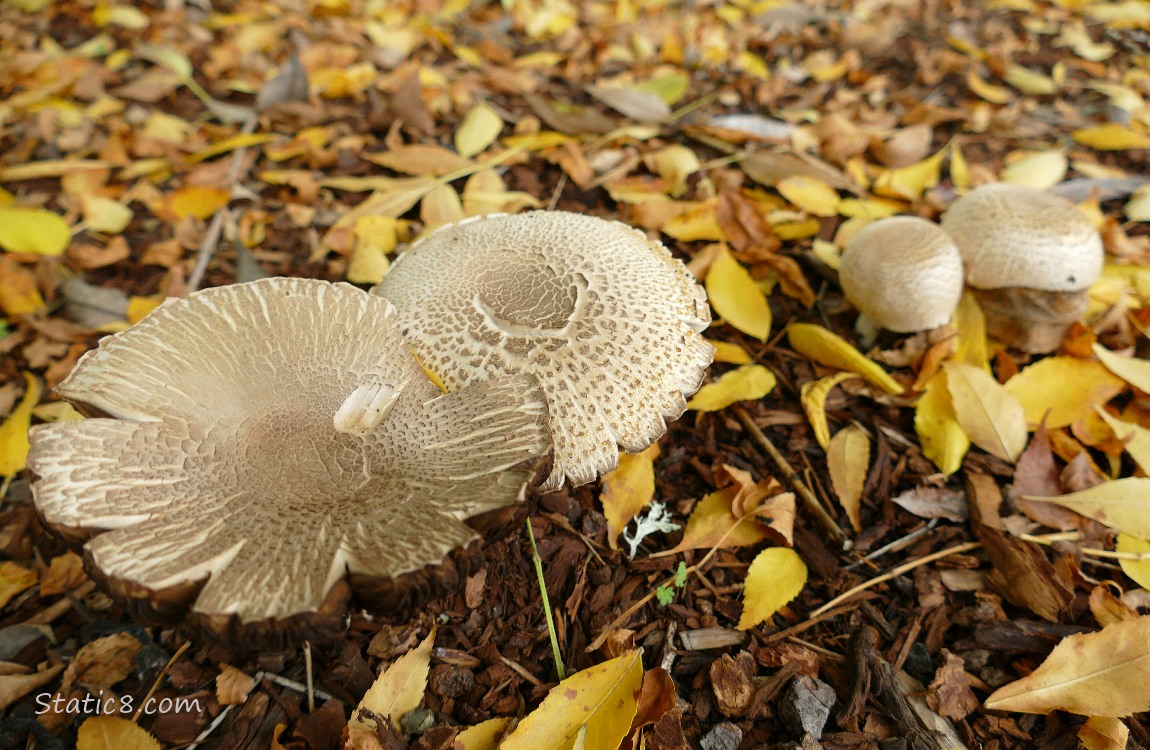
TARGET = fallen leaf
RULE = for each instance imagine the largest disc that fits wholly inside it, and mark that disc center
(1106, 673)
(628, 490)
(33, 230)
(934, 502)
(1036, 474)
(14, 432)
(420, 160)
(1103, 733)
(970, 322)
(600, 702)
(441, 206)
(936, 425)
(810, 194)
(19, 290)
(1122, 504)
(911, 182)
(639, 105)
(1134, 437)
(1138, 570)
(1111, 137)
(482, 736)
(656, 698)
(398, 690)
(1040, 171)
(1136, 372)
(233, 686)
(989, 415)
(713, 523)
(776, 576)
(732, 354)
(113, 733)
(1063, 390)
(828, 349)
(13, 687)
(848, 460)
(13, 580)
(745, 383)
(736, 297)
(813, 396)
(65, 573)
(478, 130)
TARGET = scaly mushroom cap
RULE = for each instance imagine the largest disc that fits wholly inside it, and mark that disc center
(902, 272)
(267, 440)
(1015, 236)
(607, 320)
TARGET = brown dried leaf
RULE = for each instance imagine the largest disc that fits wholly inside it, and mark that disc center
(1036, 475)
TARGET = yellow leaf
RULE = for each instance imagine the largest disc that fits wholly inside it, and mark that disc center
(1040, 171)
(1135, 438)
(970, 322)
(776, 576)
(375, 237)
(197, 201)
(746, 383)
(848, 459)
(732, 354)
(139, 307)
(988, 91)
(399, 689)
(1065, 389)
(810, 194)
(1106, 673)
(1123, 504)
(14, 431)
(736, 297)
(1138, 570)
(241, 140)
(813, 395)
(670, 87)
(479, 129)
(912, 181)
(712, 523)
(1029, 82)
(13, 580)
(19, 293)
(420, 160)
(828, 349)
(989, 415)
(33, 230)
(1136, 372)
(675, 163)
(113, 733)
(628, 490)
(601, 699)
(1103, 733)
(482, 736)
(942, 440)
(1111, 137)
(959, 170)
(105, 215)
(441, 206)
(697, 223)
(1138, 207)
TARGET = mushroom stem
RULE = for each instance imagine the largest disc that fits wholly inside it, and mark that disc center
(366, 407)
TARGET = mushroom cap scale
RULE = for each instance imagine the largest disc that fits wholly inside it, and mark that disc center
(222, 464)
(606, 320)
(1016, 236)
(902, 272)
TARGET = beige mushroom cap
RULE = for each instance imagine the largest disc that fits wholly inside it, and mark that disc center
(262, 441)
(1015, 236)
(607, 321)
(903, 273)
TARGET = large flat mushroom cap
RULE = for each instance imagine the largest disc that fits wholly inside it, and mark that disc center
(606, 320)
(265, 440)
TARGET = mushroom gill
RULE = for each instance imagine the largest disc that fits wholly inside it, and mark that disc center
(254, 444)
(606, 320)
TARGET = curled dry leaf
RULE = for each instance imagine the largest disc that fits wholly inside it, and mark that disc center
(990, 416)
(627, 490)
(828, 349)
(936, 424)
(1103, 733)
(776, 576)
(1106, 674)
(599, 702)
(746, 383)
(813, 395)
(398, 690)
(848, 459)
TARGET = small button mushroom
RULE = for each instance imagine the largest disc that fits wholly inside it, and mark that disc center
(254, 445)
(607, 321)
(903, 273)
(1030, 257)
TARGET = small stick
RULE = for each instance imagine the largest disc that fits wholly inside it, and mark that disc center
(310, 683)
(546, 604)
(966, 547)
(810, 502)
(156, 683)
(900, 543)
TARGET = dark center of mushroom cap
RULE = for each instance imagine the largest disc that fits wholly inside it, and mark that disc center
(531, 299)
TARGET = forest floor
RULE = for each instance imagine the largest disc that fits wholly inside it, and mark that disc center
(187, 146)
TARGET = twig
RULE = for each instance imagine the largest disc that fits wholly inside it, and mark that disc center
(257, 678)
(156, 683)
(810, 502)
(559, 668)
(310, 683)
(966, 547)
(900, 543)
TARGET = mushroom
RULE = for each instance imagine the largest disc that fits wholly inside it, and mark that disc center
(903, 273)
(253, 445)
(1030, 257)
(606, 319)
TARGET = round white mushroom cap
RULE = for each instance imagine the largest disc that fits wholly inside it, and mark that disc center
(902, 272)
(1016, 236)
(267, 439)
(606, 319)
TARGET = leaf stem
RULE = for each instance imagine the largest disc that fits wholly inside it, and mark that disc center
(559, 668)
